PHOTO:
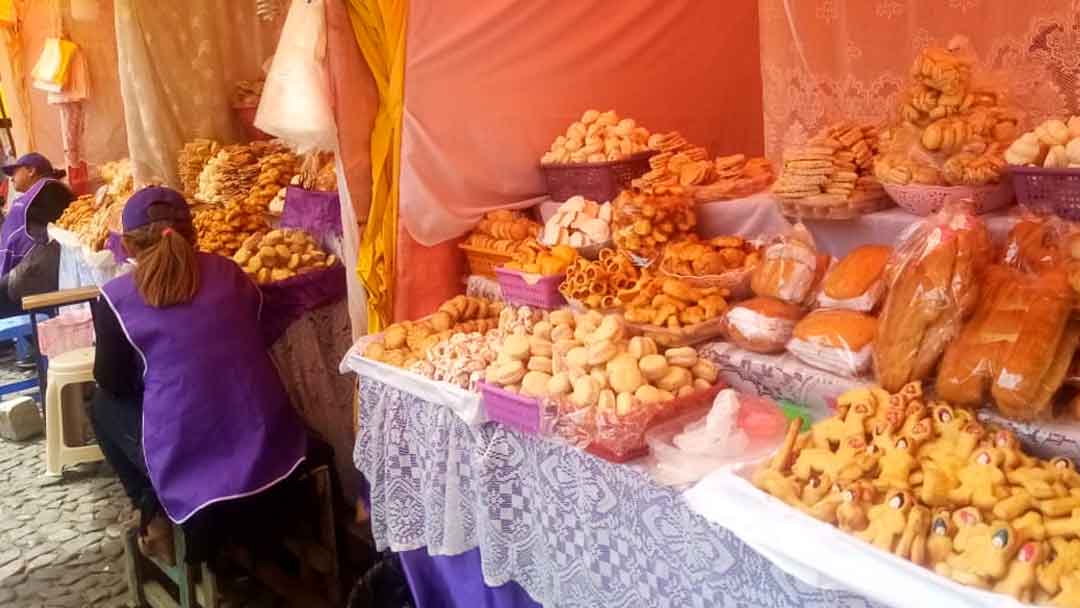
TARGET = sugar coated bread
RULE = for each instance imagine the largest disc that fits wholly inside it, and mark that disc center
(857, 273)
(762, 325)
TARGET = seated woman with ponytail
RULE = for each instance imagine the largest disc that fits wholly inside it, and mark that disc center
(190, 410)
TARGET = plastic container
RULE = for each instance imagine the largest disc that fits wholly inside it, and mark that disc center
(523, 289)
(1043, 190)
(513, 410)
(68, 331)
(595, 181)
(926, 200)
(483, 262)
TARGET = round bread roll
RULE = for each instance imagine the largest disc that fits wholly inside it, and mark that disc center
(534, 384)
(653, 367)
(761, 325)
(516, 347)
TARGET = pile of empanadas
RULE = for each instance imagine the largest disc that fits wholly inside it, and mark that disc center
(276, 170)
(697, 257)
(596, 138)
(503, 231)
(281, 254)
(223, 230)
(927, 482)
(671, 303)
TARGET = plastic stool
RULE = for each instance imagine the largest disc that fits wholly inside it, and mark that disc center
(72, 367)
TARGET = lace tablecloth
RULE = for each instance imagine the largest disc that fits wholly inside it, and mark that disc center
(571, 529)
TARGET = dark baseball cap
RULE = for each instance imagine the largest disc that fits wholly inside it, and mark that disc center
(35, 161)
(169, 206)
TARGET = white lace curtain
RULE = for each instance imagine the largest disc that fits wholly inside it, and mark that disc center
(822, 60)
(178, 62)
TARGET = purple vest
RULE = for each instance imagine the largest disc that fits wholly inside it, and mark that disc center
(217, 422)
(14, 239)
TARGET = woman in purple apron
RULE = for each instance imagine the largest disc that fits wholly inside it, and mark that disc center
(179, 340)
(43, 200)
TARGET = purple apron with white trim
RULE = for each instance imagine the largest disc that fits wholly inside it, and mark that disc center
(15, 242)
(217, 423)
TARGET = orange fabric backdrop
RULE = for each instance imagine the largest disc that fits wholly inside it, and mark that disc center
(489, 85)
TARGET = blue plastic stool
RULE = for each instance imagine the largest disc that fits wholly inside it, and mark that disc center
(21, 330)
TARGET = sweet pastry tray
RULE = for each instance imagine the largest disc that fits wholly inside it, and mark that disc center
(833, 206)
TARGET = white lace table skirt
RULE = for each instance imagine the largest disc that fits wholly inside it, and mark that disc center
(571, 529)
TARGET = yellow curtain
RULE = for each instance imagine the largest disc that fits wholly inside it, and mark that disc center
(380, 32)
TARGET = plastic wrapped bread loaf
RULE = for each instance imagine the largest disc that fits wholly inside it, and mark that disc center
(933, 280)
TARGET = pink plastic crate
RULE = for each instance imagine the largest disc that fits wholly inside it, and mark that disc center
(518, 291)
(515, 411)
(1047, 191)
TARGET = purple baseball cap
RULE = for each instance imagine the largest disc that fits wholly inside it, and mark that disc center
(35, 161)
(169, 205)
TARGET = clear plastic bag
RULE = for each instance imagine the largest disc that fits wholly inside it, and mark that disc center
(645, 221)
(1017, 348)
(837, 341)
(791, 268)
(953, 123)
(933, 278)
(295, 105)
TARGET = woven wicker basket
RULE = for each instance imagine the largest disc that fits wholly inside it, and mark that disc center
(833, 207)
(595, 181)
(483, 262)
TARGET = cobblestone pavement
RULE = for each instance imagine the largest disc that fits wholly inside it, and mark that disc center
(60, 545)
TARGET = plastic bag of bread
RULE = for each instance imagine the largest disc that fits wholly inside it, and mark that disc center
(837, 341)
(1017, 348)
(644, 221)
(790, 268)
(1038, 243)
(856, 282)
(761, 325)
(933, 287)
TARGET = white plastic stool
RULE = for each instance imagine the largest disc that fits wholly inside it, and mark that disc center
(72, 367)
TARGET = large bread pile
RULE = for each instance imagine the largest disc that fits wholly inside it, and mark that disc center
(191, 161)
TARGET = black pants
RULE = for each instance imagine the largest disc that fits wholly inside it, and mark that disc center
(117, 425)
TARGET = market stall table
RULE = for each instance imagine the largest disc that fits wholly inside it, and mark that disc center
(569, 528)
(758, 215)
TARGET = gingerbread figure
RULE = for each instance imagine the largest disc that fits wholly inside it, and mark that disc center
(1064, 471)
(939, 544)
(1020, 580)
(852, 514)
(848, 463)
(822, 505)
(888, 520)
(982, 482)
(852, 421)
(1064, 558)
(1035, 480)
(1030, 525)
(937, 484)
(912, 544)
(1014, 506)
(776, 483)
(1063, 526)
(984, 555)
(1070, 591)
(1006, 441)
(896, 465)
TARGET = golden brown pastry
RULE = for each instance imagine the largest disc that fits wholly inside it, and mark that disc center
(856, 282)
(838, 341)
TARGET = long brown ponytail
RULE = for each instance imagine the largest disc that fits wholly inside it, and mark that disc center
(166, 265)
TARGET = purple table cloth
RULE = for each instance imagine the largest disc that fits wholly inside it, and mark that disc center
(570, 529)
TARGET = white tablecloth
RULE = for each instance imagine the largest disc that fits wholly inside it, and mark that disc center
(758, 216)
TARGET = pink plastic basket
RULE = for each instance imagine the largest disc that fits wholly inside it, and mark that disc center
(925, 200)
(1045, 191)
(544, 293)
(516, 411)
(595, 181)
(66, 332)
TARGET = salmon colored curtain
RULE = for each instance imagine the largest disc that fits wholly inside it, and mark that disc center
(380, 31)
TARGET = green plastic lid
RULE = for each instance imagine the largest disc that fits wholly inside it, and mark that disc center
(793, 410)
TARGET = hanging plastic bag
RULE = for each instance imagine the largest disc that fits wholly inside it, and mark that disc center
(51, 70)
(295, 104)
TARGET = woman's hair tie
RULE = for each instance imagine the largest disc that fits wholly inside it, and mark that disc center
(166, 232)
